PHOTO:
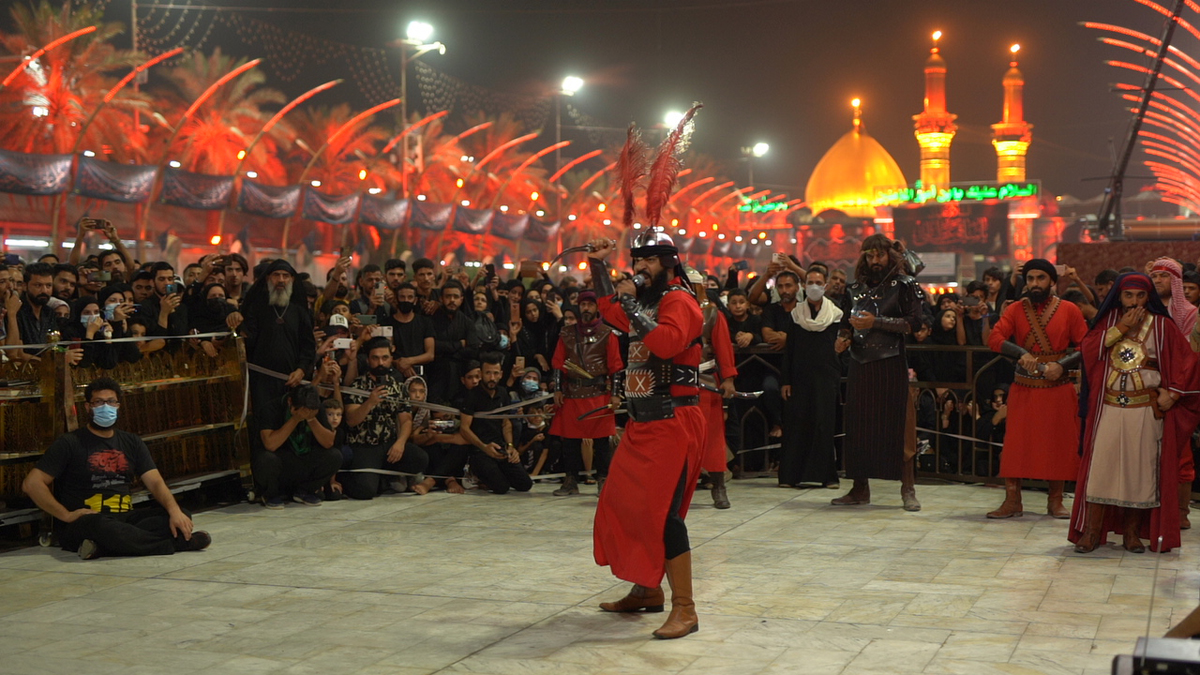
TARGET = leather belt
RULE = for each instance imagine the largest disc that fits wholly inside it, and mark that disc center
(654, 408)
(1138, 398)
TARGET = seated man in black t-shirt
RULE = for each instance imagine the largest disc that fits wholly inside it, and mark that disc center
(83, 481)
(494, 458)
(298, 453)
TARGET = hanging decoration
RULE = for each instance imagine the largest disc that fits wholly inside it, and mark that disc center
(195, 190)
(268, 201)
(34, 174)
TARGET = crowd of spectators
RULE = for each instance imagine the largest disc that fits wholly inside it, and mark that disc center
(427, 377)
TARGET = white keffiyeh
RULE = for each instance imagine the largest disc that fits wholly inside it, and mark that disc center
(828, 315)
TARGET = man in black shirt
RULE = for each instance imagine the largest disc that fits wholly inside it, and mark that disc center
(35, 319)
(83, 481)
(412, 332)
(494, 458)
(454, 342)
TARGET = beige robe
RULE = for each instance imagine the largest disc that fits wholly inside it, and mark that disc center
(1125, 458)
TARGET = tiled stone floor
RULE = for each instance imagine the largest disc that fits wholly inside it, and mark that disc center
(485, 584)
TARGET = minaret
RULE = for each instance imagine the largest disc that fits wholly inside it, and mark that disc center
(1012, 136)
(935, 127)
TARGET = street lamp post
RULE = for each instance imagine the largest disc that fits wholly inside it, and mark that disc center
(752, 153)
(417, 37)
(570, 86)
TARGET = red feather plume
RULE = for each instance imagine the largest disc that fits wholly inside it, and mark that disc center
(631, 168)
(666, 166)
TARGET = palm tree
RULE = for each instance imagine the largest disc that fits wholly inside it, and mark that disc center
(223, 126)
(339, 165)
(42, 110)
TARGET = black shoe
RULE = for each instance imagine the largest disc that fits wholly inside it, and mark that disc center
(200, 540)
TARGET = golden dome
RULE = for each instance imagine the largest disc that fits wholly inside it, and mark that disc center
(848, 175)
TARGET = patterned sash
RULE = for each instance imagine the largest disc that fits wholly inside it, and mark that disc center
(1037, 325)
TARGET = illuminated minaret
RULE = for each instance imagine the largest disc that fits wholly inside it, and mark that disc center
(1012, 136)
(935, 127)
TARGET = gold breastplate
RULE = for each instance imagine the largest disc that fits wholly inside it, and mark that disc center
(1128, 358)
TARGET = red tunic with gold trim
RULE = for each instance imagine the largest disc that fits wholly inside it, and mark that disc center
(595, 352)
(655, 455)
(1042, 440)
(719, 346)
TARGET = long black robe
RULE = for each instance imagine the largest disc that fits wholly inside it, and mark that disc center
(812, 367)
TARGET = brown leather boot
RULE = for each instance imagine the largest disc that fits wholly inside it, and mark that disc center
(639, 599)
(908, 486)
(1093, 522)
(1130, 522)
(682, 620)
(1054, 505)
(720, 499)
(1185, 505)
(1012, 500)
(859, 494)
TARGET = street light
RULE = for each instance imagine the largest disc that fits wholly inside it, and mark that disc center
(672, 118)
(756, 151)
(417, 36)
(570, 86)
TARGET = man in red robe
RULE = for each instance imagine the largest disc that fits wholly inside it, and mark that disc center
(639, 528)
(1140, 411)
(1042, 441)
(587, 371)
(717, 363)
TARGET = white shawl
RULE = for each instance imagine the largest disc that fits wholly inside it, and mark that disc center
(828, 315)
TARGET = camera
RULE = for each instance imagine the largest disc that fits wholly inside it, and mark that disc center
(342, 343)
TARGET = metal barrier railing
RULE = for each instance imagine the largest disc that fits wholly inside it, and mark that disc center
(951, 449)
(186, 406)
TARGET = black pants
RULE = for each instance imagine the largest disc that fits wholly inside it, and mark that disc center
(446, 459)
(499, 476)
(133, 533)
(283, 471)
(572, 456)
(366, 485)
(675, 533)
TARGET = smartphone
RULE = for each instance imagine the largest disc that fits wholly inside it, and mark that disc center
(342, 343)
(741, 265)
(385, 331)
(781, 258)
(490, 270)
(1061, 270)
(100, 276)
(367, 319)
(171, 288)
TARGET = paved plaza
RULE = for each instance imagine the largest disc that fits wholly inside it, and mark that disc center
(477, 583)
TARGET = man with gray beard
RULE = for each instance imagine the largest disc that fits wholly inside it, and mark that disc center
(278, 327)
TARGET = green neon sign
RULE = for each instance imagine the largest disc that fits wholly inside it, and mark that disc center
(759, 206)
(918, 194)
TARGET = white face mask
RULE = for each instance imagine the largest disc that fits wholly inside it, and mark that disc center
(814, 292)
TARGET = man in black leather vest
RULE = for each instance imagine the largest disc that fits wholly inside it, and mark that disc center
(881, 307)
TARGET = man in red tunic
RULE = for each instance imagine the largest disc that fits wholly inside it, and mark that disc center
(717, 362)
(639, 527)
(1042, 441)
(1140, 412)
(587, 372)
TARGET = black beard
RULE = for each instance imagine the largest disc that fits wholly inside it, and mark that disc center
(875, 275)
(1038, 295)
(587, 317)
(490, 386)
(40, 300)
(657, 287)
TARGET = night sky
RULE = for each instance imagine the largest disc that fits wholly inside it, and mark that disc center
(783, 71)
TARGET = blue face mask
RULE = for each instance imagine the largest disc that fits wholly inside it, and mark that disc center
(85, 319)
(503, 342)
(529, 386)
(104, 415)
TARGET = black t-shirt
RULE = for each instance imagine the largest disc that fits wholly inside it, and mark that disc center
(775, 317)
(477, 401)
(409, 338)
(96, 472)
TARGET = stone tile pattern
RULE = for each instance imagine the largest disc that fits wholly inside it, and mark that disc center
(484, 584)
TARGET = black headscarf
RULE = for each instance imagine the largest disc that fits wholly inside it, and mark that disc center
(260, 293)
(1043, 265)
